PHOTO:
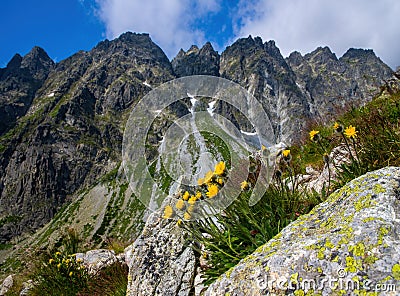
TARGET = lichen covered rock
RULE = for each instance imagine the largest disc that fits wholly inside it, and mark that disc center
(6, 285)
(348, 245)
(159, 262)
(95, 260)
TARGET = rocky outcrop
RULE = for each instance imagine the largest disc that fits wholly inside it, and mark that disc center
(6, 285)
(160, 263)
(95, 260)
(195, 61)
(349, 244)
(19, 82)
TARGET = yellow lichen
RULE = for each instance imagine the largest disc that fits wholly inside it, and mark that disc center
(329, 244)
(299, 293)
(294, 278)
(358, 249)
(352, 265)
(378, 188)
(321, 254)
(396, 272)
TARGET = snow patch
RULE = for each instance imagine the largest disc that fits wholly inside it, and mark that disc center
(248, 134)
(211, 108)
(147, 84)
(193, 101)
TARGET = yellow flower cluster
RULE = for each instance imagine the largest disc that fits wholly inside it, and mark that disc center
(208, 187)
(67, 265)
(350, 132)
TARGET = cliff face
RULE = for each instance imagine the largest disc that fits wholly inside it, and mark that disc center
(19, 82)
(72, 133)
(195, 61)
(331, 84)
(62, 124)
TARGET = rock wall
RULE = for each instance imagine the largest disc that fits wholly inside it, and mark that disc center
(348, 245)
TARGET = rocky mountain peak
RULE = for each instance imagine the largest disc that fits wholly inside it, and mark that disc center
(15, 62)
(352, 53)
(208, 47)
(193, 49)
(321, 55)
(37, 62)
(295, 58)
(195, 61)
(138, 46)
(244, 45)
(19, 82)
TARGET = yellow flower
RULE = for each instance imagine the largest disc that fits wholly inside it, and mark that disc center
(51, 260)
(313, 134)
(59, 265)
(219, 168)
(186, 216)
(244, 185)
(336, 125)
(208, 176)
(263, 147)
(198, 194)
(212, 190)
(350, 132)
(79, 260)
(179, 222)
(220, 181)
(192, 200)
(58, 253)
(186, 196)
(286, 153)
(70, 273)
(338, 128)
(200, 181)
(168, 212)
(180, 204)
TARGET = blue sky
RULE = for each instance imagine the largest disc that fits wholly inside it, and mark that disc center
(63, 27)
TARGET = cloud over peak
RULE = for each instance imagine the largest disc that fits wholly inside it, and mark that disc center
(171, 24)
(301, 25)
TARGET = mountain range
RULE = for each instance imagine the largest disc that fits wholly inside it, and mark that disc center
(62, 123)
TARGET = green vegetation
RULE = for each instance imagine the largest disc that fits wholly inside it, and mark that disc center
(371, 137)
(59, 272)
(10, 219)
(376, 143)
(110, 281)
(240, 229)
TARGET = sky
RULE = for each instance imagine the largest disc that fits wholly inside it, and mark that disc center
(64, 27)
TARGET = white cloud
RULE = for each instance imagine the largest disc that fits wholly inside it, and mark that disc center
(303, 25)
(171, 23)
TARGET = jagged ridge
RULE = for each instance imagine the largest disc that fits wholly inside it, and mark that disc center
(69, 130)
